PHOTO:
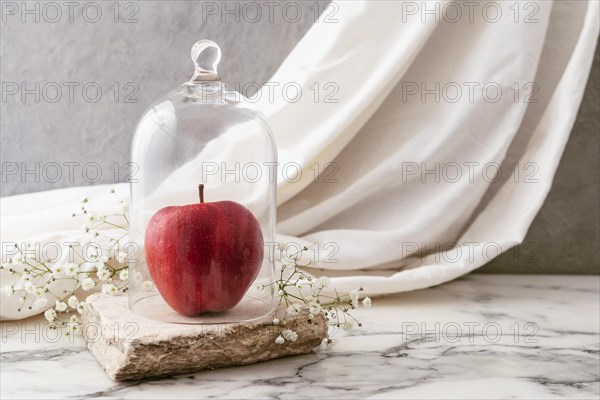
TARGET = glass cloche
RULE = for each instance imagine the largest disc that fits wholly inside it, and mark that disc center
(203, 203)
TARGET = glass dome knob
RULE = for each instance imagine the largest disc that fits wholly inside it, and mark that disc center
(206, 55)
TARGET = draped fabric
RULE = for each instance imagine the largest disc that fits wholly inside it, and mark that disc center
(427, 142)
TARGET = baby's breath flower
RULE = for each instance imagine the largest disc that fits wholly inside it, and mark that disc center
(38, 292)
(275, 321)
(348, 325)
(367, 302)
(294, 309)
(73, 302)
(88, 283)
(25, 278)
(60, 306)
(281, 292)
(281, 246)
(316, 285)
(74, 328)
(314, 308)
(290, 335)
(57, 271)
(81, 307)
(109, 288)
(8, 290)
(73, 318)
(324, 281)
(279, 340)
(121, 257)
(50, 314)
(41, 302)
(29, 287)
(124, 275)
(71, 269)
(103, 274)
(260, 287)
(354, 295)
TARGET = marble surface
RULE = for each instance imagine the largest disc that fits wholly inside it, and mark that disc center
(482, 336)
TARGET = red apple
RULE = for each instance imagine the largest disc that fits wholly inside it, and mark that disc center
(203, 257)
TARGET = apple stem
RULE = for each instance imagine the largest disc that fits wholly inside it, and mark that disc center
(201, 192)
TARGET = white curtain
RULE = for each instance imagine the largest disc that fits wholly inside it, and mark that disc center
(411, 115)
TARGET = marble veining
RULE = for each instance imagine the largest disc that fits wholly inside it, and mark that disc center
(482, 336)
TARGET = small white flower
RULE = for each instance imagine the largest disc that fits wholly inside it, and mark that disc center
(41, 302)
(294, 309)
(290, 335)
(281, 246)
(260, 287)
(147, 285)
(121, 257)
(81, 307)
(50, 315)
(88, 283)
(275, 321)
(279, 340)
(124, 275)
(109, 288)
(348, 325)
(74, 318)
(310, 316)
(281, 292)
(60, 306)
(314, 308)
(324, 281)
(367, 302)
(8, 290)
(71, 269)
(57, 271)
(103, 274)
(123, 208)
(354, 295)
(324, 344)
(73, 302)
(29, 287)
(25, 278)
(38, 292)
(316, 285)
(73, 328)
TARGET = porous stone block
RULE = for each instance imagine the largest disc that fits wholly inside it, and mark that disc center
(131, 347)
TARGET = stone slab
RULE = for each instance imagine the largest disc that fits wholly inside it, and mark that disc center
(132, 347)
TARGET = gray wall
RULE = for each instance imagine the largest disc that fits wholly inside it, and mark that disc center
(144, 59)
